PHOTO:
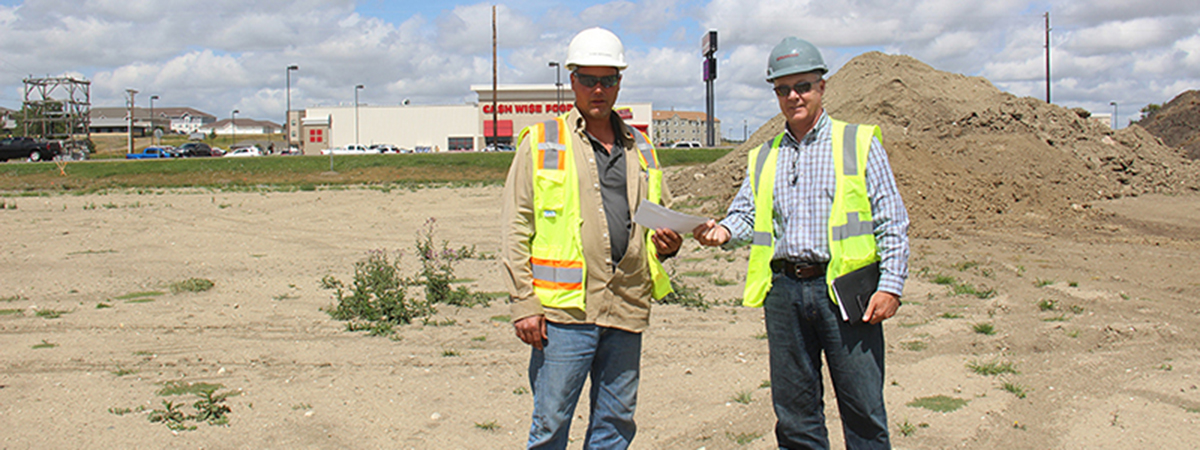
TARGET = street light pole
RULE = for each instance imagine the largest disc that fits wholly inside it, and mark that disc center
(557, 81)
(1114, 117)
(131, 93)
(744, 137)
(152, 127)
(356, 89)
(287, 117)
(233, 127)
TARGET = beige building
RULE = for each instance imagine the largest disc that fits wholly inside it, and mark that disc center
(683, 126)
(445, 127)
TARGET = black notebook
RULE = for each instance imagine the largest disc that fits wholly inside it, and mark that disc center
(853, 292)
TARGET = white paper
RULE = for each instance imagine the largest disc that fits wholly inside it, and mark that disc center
(655, 216)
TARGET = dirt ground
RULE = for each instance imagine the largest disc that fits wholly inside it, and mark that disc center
(1111, 362)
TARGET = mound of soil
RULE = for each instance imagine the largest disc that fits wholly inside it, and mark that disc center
(1177, 123)
(966, 154)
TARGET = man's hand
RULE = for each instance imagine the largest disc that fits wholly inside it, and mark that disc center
(532, 330)
(882, 307)
(666, 241)
(710, 234)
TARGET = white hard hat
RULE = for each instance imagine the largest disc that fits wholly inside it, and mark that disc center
(595, 47)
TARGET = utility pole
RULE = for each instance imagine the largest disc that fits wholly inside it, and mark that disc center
(152, 127)
(131, 93)
(709, 46)
(356, 89)
(1114, 117)
(557, 81)
(1047, 56)
(495, 115)
(233, 128)
(287, 117)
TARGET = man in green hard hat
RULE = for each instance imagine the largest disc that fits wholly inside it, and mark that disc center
(819, 203)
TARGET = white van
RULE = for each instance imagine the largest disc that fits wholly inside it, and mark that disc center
(687, 144)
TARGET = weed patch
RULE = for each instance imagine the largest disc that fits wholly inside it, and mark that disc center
(992, 368)
(11, 312)
(139, 295)
(685, 295)
(914, 346)
(938, 403)
(490, 425)
(44, 344)
(743, 438)
(191, 285)
(743, 397)
(984, 328)
(377, 295)
(50, 313)
(907, 429)
(209, 406)
(1014, 389)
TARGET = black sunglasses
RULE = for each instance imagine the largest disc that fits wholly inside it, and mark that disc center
(800, 88)
(591, 80)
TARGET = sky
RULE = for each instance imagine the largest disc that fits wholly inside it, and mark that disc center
(221, 55)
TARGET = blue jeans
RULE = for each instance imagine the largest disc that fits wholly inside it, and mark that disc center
(570, 354)
(801, 323)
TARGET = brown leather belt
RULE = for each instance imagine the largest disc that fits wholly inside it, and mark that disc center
(798, 270)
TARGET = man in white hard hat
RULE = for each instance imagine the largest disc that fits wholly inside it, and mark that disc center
(580, 272)
(819, 203)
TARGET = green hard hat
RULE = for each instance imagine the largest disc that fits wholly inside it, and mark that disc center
(794, 55)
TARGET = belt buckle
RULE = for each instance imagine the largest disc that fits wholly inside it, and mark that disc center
(799, 269)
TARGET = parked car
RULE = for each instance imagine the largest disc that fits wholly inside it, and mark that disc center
(28, 148)
(687, 144)
(195, 149)
(149, 153)
(350, 149)
(386, 148)
(499, 148)
(243, 152)
(293, 150)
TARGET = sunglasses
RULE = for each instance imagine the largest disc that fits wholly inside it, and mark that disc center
(591, 80)
(800, 88)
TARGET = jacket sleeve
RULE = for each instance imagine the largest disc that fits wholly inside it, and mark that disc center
(518, 224)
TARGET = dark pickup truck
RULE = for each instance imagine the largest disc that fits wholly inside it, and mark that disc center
(28, 148)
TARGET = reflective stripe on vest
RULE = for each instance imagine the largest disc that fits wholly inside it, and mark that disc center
(556, 256)
(850, 229)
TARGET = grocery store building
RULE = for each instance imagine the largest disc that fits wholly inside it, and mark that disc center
(445, 127)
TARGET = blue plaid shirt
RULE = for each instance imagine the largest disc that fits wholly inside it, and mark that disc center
(804, 188)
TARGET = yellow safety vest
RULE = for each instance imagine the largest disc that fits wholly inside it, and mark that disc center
(851, 232)
(556, 254)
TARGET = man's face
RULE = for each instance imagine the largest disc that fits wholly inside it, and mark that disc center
(800, 109)
(595, 102)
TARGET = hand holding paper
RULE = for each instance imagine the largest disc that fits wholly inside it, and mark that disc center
(655, 216)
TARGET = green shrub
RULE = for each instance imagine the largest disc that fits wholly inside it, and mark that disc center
(377, 295)
(437, 271)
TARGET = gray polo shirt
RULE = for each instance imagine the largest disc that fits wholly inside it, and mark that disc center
(611, 170)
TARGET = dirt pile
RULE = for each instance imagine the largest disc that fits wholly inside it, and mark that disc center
(1177, 123)
(966, 154)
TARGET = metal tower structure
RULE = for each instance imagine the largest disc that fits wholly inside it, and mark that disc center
(59, 108)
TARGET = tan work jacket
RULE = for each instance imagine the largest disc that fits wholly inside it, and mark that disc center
(616, 297)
